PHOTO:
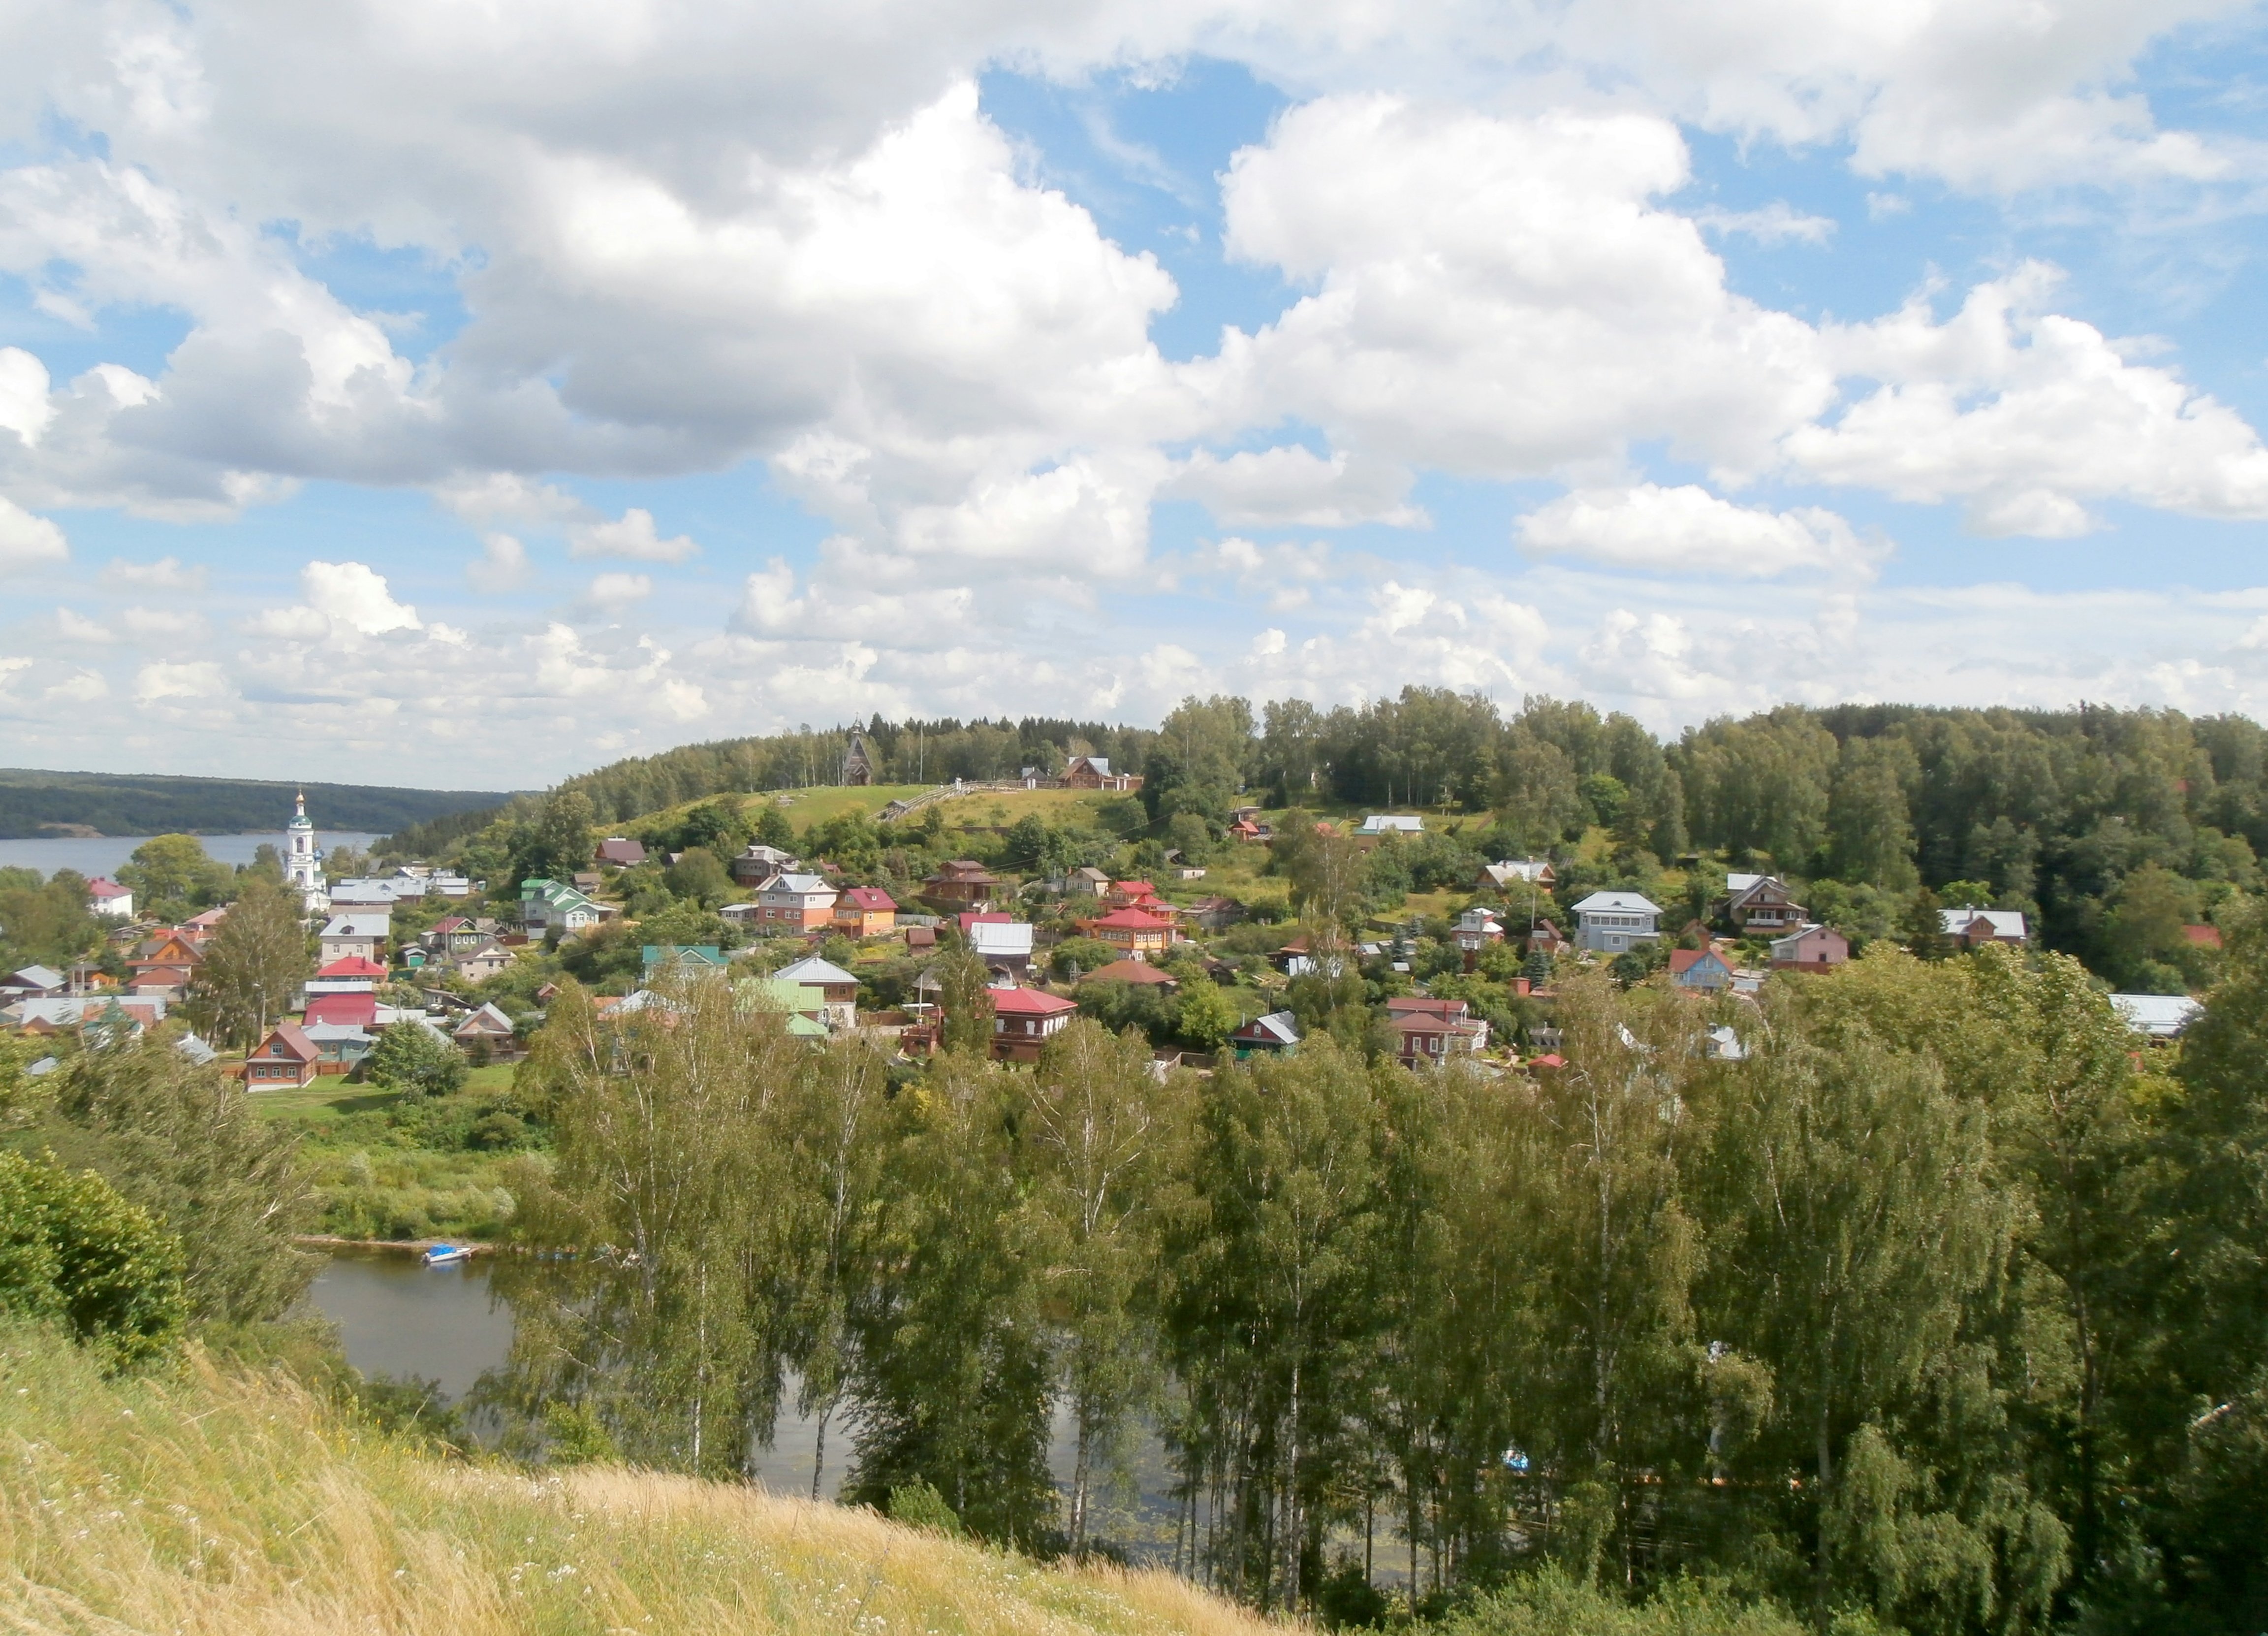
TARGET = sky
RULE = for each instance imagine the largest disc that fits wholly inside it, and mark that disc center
(467, 394)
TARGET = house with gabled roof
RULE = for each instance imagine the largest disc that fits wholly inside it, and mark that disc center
(1702, 969)
(1274, 1035)
(1972, 928)
(1135, 932)
(962, 883)
(1093, 772)
(1427, 1029)
(549, 905)
(1814, 949)
(488, 1030)
(864, 911)
(1610, 922)
(795, 902)
(354, 936)
(164, 964)
(621, 852)
(1024, 1020)
(1376, 824)
(106, 897)
(1516, 873)
(838, 989)
(1762, 906)
(285, 1060)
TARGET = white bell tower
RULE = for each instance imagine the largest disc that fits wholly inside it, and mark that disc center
(303, 864)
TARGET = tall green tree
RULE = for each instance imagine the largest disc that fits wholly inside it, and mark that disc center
(254, 965)
(954, 1365)
(1106, 1136)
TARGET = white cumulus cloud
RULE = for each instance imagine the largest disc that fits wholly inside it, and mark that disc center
(1687, 529)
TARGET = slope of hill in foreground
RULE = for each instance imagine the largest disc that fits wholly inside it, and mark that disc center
(36, 803)
(222, 1507)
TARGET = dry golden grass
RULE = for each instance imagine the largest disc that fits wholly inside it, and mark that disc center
(215, 1506)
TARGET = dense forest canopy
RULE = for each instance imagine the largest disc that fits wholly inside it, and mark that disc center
(36, 803)
(2114, 829)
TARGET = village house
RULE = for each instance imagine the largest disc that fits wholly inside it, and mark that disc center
(864, 911)
(31, 982)
(1814, 948)
(621, 852)
(1433, 1030)
(489, 1031)
(1609, 923)
(1133, 894)
(1476, 930)
(199, 927)
(483, 960)
(1274, 1035)
(338, 1045)
(546, 906)
(2157, 1017)
(1512, 874)
(1760, 906)
(165, 964)
(1023, 1019)
(838, 989)
(1087, 882)
(59, 1014)
(1972, 928)
(1093, 772)
(285, 1060)
(1134, 932)
(1544, 938)
(352, 1009)
(796, 902)
(1002, 944)
(454, 934)
(962, 884)
(378, 895)
(106, 897)
(759, 864)
(1141, 973)
(1215, 913)
(1376, 824)
(1702, 969)
(344, 937)
(354, 975)
(804, 1008)
(660, 961)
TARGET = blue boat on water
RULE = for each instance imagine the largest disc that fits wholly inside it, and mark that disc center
(447, 1254)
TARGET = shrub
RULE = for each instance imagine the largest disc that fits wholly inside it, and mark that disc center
(72, 1248)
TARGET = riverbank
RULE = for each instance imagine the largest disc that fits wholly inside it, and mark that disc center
(411, 1172)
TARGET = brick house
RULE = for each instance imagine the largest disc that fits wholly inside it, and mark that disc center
(1433, 1030)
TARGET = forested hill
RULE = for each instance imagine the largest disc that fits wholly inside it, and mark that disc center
(37, 803)
(2114, 828)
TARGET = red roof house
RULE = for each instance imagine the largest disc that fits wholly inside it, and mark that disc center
(352, 966)
(1134, 931)
(866, 911)
(1138, 971)
(1022, 1018)
(354, 1010)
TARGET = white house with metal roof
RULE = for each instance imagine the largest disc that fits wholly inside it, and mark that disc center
(1610, 922)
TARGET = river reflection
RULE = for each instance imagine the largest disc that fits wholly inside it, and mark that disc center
(400, 1317)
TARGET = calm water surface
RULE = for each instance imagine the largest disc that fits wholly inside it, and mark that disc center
(102, 854)
(399, 1318)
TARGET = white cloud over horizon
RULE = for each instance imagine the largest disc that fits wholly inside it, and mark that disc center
(1504, 385)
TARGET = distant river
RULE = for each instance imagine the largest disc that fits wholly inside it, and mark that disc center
(102, 854)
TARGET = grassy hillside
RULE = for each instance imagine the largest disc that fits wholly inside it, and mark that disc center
(210, 1505)
(34, 803)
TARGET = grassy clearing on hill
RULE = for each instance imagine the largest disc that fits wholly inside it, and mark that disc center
(208, 1504)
